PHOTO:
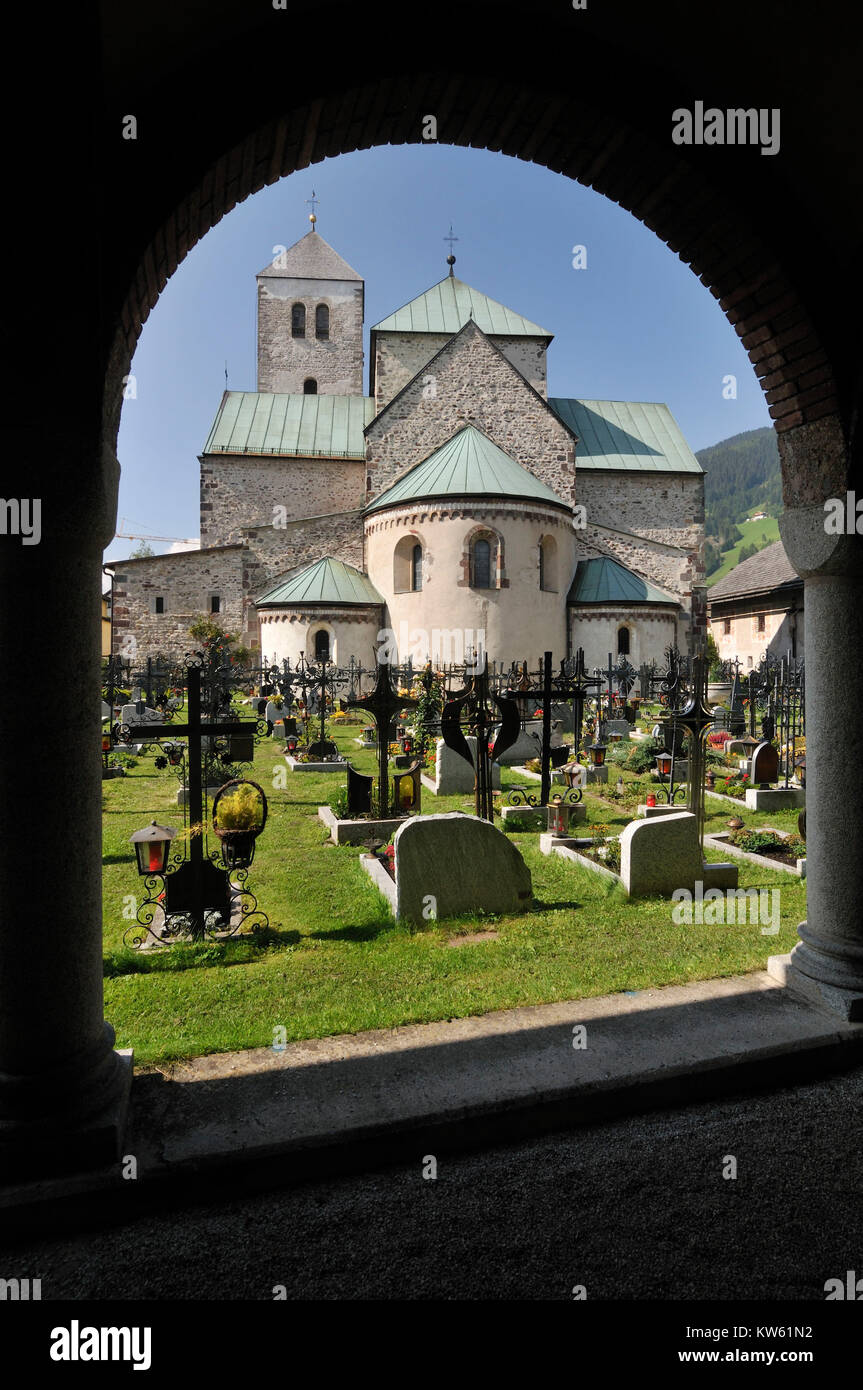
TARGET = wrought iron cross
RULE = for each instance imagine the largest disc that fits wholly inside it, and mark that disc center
(383, 705)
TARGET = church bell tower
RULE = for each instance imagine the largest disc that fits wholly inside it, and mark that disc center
(310, 321)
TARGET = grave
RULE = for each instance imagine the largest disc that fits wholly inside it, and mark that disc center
(529, 742)
(661, 854)
(764, 769)
(449, 865)
(453, 776)
(359, 828)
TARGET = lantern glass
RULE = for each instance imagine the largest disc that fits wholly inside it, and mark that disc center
(597, 752)
(663, 762)
(151, 848)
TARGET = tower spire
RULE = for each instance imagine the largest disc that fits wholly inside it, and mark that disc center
(450, 260)
(314, 200)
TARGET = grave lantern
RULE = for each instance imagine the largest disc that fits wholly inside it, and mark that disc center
(106, 743)
(650, 799)
(597, 753)
(558, 819)
(151, 847)
(291, 742)
(663, 764)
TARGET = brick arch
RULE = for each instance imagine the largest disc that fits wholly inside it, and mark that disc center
(598, 142)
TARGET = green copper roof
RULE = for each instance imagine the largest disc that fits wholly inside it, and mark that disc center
(254, 422)
(626, 435)
(605, 581)
(324, 581)
(468, 465)
(446, 308)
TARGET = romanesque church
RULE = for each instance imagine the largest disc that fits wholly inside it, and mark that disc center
(455, 507)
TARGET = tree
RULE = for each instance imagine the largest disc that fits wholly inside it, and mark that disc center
(143, 550)
(217, 643)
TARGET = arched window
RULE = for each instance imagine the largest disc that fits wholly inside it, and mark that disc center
(310, 386)
(298, 321)
(322, 645)
(481, 565)
(322, 321)
(623, 641)
(417, 568)
(548, 564)
(407, 564)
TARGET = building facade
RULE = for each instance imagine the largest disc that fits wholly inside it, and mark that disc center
(455, 507)
(757, 607)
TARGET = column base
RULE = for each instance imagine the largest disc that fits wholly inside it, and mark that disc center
(46, 1147)
(842, 1003)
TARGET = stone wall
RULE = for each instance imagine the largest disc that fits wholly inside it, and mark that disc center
(238, 491)
(783, 628)
(284, 362)
(472, 383)
(652, 523)
(399, 356)
(186, 581)
(272, 551)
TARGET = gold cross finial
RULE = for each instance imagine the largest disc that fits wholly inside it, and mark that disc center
(314, 202)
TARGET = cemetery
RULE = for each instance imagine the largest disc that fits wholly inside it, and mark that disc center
(334, 896)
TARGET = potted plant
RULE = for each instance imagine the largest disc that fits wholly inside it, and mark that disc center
(239, 816)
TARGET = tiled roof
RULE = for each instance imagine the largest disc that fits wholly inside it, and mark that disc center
(600, 580)
(254, 422)
(767, 570)
(446, 308)
(324, 581)
(626, 435)
(468, 465)
(310, 258)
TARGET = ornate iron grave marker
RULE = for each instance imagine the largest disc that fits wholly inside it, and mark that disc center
(383, 705)
(475, 704)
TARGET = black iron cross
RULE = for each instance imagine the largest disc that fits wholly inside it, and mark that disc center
(196, 730)
(383, 705)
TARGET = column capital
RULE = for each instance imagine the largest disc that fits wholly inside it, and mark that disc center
(813, 550)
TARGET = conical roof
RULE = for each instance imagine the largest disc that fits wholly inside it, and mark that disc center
(446, 308)
(468, 465)
(323, 581)
(600, 580)
(310, 258)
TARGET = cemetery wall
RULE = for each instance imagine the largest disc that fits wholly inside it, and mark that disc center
(399, 356)
(473, 384)
(238, 491)
(186, 582)
(290, 633)
(651, 522)
(284, 362)
(517, 618)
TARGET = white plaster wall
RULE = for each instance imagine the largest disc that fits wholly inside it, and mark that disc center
(651, 630)
(291, 633)
(511, 623)
(746, 642)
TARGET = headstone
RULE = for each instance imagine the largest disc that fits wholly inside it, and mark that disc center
(661, 854)
(456, 864)
(764, 769)
(359, 792)
(106, 710)
(618, 726)
(274, 714)
(454, 776)
(291, 730)
(138, 714)
(529, 742)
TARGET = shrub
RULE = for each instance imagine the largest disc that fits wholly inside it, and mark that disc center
(241, 808)
(641, 758)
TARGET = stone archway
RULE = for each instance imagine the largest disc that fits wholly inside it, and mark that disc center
(211, 128)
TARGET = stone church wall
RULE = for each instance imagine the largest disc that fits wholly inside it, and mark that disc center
(473, 384)
(275, 550)
(238, 491)
(186, 582)
(651, 630)
(399, 356)
(663, 511)
(284, 362)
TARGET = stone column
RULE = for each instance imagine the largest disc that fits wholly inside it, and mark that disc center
(826, 966)
(63, 1089)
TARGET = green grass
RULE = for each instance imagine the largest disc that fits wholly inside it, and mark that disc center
(334, 961)
(752, 532)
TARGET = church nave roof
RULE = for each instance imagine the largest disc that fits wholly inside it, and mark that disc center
(323, 581)
(256, 422)
(446, 308)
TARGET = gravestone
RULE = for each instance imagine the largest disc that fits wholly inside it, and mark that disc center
(662, 854)
(106, 710)
(618, 726)
(764, 768)
(274, 714)
(529, 742)
(359, 792)
(454, 776)
(451, 864)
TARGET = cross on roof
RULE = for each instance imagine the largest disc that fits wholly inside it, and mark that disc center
(450, 260)
(314, 200)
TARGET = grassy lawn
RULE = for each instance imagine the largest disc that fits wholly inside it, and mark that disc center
(335, 962)
(752, 532)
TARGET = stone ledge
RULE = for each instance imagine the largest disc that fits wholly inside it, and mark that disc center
(339, 766)
(356, 832)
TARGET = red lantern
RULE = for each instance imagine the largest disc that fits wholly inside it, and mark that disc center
(151, 847)
(651, 798)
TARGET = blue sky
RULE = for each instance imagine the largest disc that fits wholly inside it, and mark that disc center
(635, 324)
